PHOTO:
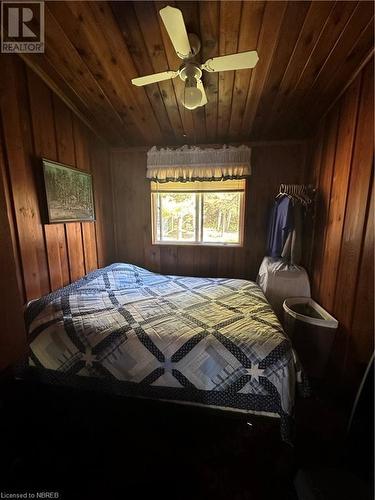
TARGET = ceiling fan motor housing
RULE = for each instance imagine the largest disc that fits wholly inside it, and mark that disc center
(190, 70)
(195, 45)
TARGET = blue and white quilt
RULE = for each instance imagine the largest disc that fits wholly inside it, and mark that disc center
(207, 341)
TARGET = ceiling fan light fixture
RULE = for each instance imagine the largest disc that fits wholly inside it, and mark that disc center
(192, 94)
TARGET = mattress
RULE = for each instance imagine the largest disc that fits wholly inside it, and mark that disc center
(204, 341)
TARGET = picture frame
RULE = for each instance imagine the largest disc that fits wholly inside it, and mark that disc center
(69, 193)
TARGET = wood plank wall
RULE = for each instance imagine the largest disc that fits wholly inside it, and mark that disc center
(12, 332)
(271, 164)
(35, 124)
(342, 267)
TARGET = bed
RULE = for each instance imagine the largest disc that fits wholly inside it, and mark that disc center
(204, 341)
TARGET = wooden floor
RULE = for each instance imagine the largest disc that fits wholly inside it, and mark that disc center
(89, 447)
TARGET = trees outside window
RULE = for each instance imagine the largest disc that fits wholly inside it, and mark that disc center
(198, 212)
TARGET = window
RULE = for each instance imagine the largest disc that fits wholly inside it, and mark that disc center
(198, 213)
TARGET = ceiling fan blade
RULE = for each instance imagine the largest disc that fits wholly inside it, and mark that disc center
(157, 77)
(175, 25)
(242, 60)
(200, 86)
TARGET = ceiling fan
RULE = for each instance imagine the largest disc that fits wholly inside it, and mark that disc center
(187, 46)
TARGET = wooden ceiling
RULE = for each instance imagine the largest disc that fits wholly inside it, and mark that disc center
(308, 51)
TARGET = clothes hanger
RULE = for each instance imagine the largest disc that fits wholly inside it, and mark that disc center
(281, 192)
(298, 193)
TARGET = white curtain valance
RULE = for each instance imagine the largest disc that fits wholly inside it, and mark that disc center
(191, 163)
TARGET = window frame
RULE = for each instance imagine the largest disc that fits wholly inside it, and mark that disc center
(199, 219)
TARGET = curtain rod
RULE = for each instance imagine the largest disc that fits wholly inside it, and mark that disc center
(253, 144)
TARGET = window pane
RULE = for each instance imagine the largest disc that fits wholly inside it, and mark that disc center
(177, 216)
(221, 217)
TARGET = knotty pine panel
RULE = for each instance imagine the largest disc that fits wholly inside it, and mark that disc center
(12, 333)
(308, 53)
(343, 252)
(36, 124)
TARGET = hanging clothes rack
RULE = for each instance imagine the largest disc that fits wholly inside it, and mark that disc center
(286, 226)
(300, 192)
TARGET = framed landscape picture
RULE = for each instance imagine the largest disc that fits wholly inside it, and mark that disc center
(68, 192)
